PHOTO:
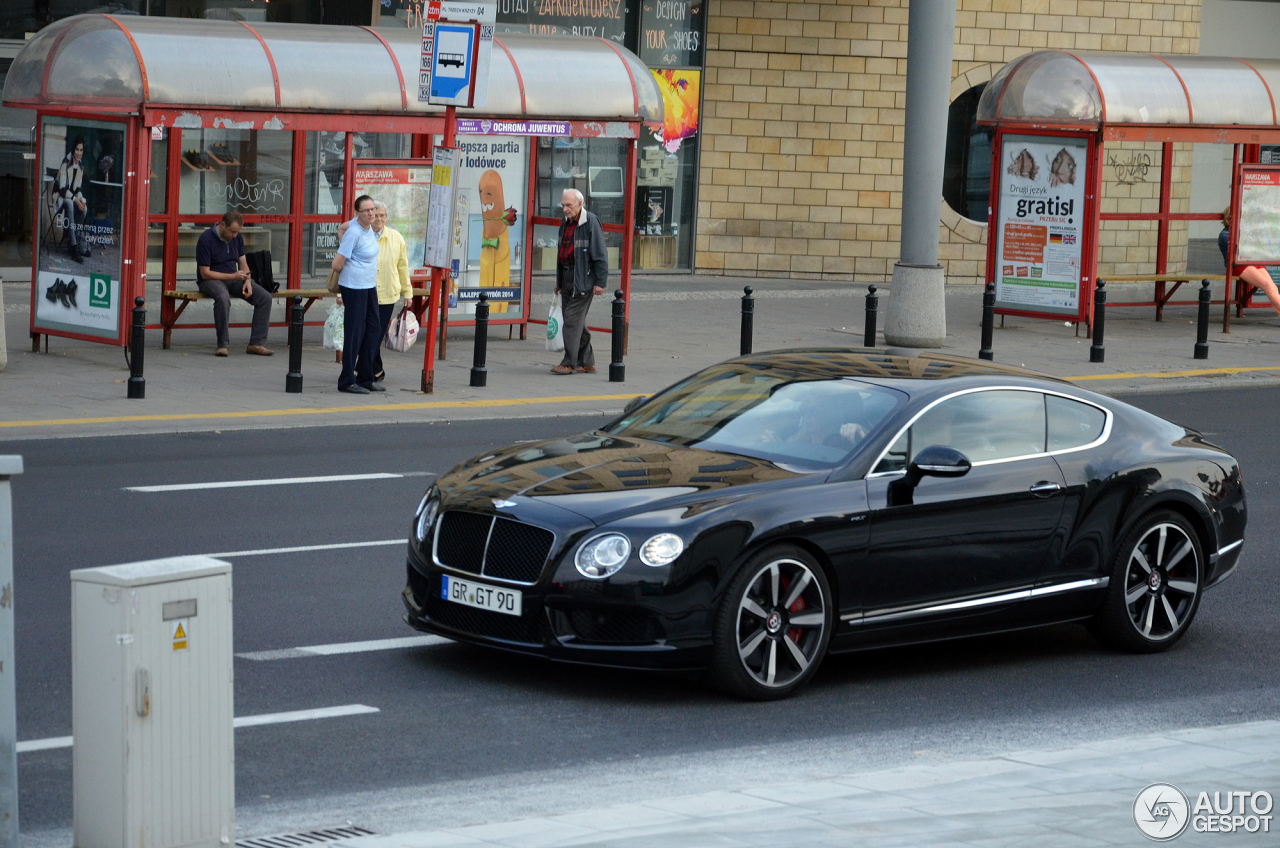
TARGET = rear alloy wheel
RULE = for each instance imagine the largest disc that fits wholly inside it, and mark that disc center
(773, 626)
(1155, 586)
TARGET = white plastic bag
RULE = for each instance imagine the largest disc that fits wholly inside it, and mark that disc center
(403, 331)
(555, 327)
(333, 328)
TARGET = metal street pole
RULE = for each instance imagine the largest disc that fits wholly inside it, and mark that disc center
(9, 466)
(916, 316)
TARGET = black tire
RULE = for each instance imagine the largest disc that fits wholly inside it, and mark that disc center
(767, 648)
(1155, 586)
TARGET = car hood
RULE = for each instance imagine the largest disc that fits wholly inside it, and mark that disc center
(601, 477)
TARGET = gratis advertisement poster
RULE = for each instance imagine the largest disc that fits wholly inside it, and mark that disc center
(81, 211)
(1040, 229)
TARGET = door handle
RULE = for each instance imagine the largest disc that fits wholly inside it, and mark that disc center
(1044, 489)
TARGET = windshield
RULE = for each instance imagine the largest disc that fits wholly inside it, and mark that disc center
(810, 423)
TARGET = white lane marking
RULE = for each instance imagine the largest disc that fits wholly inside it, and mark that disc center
(305, 548)
(279, 481)
(304, 715)
(44, 744)
(346, 648)
(242, 721)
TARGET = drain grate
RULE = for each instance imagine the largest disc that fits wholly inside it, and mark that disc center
(320, 836)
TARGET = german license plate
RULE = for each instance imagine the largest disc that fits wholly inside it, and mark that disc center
(481, 595)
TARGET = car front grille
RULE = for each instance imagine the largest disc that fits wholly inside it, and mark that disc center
(492, 546)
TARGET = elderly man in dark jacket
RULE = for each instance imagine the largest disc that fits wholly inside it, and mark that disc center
(582, 271)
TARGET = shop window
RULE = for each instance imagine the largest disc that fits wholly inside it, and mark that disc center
(667, 175)
(245, 170)
(17, 181)
(597, 167)
(382, 146)
(966, 176)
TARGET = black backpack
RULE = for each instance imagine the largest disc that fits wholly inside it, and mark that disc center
(260, 269)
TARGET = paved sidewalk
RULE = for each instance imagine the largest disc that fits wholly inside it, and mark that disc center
(1078, 796)
(678, 324)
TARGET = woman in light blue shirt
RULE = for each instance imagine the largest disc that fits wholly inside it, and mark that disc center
(357, 267)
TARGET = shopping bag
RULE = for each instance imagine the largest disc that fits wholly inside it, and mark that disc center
(333, 328)
(555, 327)
(403, 331)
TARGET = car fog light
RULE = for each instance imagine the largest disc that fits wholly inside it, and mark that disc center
(662, 549)
(603, 556)
(429, 510)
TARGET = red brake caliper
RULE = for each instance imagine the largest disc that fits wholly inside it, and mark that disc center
(794, 632)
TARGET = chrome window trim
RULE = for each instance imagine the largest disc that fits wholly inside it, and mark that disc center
(1106, 427)
(484, 557)
(987, 600)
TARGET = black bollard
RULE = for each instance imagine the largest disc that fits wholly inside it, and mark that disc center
(988, 322)
(618, 371)
(137, 345)
(748, 318)
(480, 374)
(869, 329)
(1097, 352)
(1202, 323)
(293, 380)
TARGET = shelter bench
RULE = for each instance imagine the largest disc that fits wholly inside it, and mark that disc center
(1162, 297)
(186, 297)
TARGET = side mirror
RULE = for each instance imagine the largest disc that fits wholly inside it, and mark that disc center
(633, 403)
(933, 461)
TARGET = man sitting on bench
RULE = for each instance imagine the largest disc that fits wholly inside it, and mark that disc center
(223, 273)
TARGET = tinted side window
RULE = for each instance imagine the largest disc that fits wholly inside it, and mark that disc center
(1071, 423)
(984, 425)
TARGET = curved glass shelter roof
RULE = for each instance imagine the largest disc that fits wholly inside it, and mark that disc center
(131, 62)
(1090, 89)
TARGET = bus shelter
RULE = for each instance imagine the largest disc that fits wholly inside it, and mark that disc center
(1054, 112)
(151, 128)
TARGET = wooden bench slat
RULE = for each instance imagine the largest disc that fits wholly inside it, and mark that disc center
(314, 294)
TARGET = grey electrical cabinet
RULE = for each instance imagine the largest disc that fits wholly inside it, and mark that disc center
(152, 704)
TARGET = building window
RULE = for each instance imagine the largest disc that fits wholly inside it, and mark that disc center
(966, 175)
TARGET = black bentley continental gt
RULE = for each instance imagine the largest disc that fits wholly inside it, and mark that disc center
(775, 507)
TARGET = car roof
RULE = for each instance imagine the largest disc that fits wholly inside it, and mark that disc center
(898, 367)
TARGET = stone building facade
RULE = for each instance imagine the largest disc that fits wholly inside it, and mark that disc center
(804, 118)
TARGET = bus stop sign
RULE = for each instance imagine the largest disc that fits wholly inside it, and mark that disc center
(457, 39)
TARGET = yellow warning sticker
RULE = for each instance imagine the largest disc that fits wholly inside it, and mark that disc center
(180, 634)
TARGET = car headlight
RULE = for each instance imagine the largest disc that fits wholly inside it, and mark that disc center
(603, 556)
(661, 549)
(427, 511)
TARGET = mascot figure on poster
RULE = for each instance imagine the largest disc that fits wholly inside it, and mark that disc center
(495, 248)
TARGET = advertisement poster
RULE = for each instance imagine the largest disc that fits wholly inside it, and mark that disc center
(81, 209)
(1040, 229)
(680, 97)
(407, 193)
(671, 32)
(1259, 216)
(493, 179)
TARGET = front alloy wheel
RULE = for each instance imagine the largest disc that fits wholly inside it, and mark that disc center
(1155, 587)
(774, 625)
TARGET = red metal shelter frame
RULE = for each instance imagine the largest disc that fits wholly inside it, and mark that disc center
(173, 120)
(140, 115)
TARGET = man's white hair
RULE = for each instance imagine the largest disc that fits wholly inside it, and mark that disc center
(577, 195)
(378, 204)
